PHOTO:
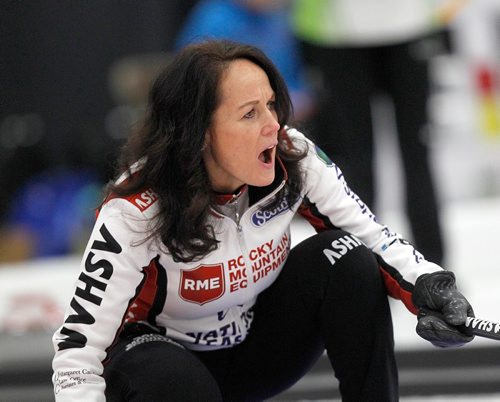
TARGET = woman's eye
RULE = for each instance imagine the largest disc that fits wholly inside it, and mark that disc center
(250, 114)
(271, 105)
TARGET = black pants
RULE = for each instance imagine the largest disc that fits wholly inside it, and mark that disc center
(313, 305)
(344, 127)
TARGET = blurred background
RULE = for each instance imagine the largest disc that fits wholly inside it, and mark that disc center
(74, 77)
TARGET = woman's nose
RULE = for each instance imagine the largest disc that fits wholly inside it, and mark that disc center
(272, 126)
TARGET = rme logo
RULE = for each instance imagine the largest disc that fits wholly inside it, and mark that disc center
(202, 284)
(260, 217)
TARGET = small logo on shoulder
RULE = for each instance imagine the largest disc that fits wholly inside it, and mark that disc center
(143, 200)
(323, 157)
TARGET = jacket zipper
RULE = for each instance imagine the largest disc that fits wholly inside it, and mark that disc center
(241, 240)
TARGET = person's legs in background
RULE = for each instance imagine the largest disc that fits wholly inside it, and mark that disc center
(343, 126)
(407, 73)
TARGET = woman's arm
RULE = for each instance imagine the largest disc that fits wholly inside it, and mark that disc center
(110, 273)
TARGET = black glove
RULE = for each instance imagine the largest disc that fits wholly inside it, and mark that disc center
(442, 310)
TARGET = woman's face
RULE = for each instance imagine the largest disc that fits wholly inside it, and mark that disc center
(241, 141)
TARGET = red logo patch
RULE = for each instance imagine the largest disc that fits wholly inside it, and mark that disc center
(143, 200)
(202, 284)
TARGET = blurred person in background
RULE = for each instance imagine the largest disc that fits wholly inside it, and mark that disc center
(21, 156)
(362, 49)
(189, 288)
(50, 204)
(261, 23)
(51, 214)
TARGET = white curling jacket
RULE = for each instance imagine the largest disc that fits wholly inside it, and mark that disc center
(126, 277)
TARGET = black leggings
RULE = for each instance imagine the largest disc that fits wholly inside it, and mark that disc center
(313, 305)
(345, 131)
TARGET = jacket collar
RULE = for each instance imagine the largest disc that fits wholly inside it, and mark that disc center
(223, 199)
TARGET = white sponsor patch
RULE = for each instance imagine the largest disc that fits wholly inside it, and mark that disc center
(340, 247)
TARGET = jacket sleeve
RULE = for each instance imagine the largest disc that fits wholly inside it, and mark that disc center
(109, 274)
(330, 203)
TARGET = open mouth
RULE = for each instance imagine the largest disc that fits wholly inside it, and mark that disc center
(266, 156)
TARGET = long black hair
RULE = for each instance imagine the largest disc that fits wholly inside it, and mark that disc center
(181, 106)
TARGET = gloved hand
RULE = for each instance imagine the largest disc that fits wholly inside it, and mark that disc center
(442, 309)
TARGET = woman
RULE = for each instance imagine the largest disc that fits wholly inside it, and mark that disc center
(188, 288)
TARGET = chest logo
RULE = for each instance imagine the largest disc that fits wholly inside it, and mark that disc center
(261, 217)
(202, 284)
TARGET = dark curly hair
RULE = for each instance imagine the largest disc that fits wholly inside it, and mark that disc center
(181, 105)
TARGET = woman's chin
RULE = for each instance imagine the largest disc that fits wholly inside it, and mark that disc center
(263, 180)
